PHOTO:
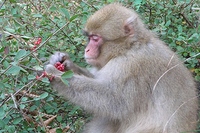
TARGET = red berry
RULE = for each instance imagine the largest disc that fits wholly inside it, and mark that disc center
(51, 78)
(40, 39)
(34, 47)
(59, 66)
(44, 74)
(37, 42)
(37, 77)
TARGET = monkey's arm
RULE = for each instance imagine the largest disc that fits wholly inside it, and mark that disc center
(95, 95)
(76, 69)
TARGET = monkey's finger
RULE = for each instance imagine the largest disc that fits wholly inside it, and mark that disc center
(68, 64)
(58, 57)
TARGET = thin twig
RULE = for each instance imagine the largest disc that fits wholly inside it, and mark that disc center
(38, 46)
(44, 42)
(2, 4)
(13, 98)
(154, 87)
(195, 8)
(177, 111)
(189, 3)
(90, 5)
(3, 59)
(186, 19)
(170, 60)
(54, 24)
(8, 98)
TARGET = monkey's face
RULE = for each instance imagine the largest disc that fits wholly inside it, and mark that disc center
(92, 50)
(107, 33)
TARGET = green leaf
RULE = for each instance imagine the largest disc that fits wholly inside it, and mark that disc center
(14, 11)
(180, 49)
(2, 124)
(73, 17)
(34, 107)
(25, 37)
(17, 120)
(180, 29)
(66, 76)
(5, 64)
(2, 85)
(2, 113)
(31, 77)
(14, 70)
(137, 2)
(65, 81)
(44, 95)
(58, 130)
(180, 38)
(12, 1)
(74, 110)
(21, 53)
(10, 30)
(14, 63)
(37, 15)
(38, 67)
(22, 106)
(195, 35)
(45, 80)
(53, 8)
(110, 1)
(59, 118)
(65, 12)
(168, 23)
(24, 99)
(49, 99)
(22, 69)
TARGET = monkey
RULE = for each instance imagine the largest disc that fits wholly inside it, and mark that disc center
(138, 85)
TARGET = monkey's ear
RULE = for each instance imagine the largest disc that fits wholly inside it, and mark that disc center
(128, 26)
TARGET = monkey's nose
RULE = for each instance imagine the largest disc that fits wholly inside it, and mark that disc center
(87, 50)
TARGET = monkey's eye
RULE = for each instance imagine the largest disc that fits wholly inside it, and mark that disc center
(94, 38)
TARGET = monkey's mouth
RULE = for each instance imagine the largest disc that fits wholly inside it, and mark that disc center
(90, 60)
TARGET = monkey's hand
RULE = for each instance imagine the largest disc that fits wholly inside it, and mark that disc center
(59, 58)
(54, 76)
(51, 70)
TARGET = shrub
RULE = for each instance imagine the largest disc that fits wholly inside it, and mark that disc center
(33, 30)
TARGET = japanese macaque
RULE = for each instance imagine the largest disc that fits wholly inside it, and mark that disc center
(138, 85)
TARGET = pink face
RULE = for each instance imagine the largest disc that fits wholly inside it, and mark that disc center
(92, 50)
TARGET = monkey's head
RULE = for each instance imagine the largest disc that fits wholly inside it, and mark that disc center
(111, 31)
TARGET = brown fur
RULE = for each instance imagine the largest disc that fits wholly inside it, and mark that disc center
(140, 85)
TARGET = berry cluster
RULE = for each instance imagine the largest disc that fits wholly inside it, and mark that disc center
(59, 66)
(36, 43)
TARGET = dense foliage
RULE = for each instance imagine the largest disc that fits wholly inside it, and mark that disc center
(32, 30)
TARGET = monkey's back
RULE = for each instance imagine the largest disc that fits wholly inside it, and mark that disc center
(169, 91)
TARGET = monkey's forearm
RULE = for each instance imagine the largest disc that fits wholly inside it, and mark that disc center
(92, 96)
(91, 93)
(82, 71)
